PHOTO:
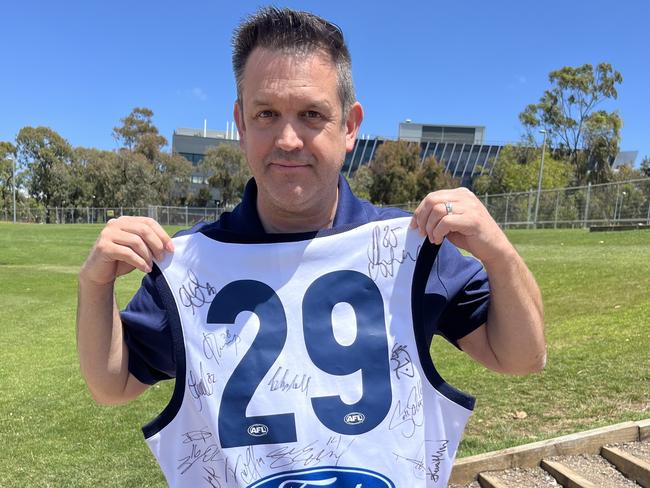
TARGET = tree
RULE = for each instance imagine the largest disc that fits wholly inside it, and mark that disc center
(202, 198)
(45, 155)
(393, 170)
(517, 169)
(227, 170)
(361, 182)
(102, 174)
(602, 138)
(7, 154)
(645, 166)
(398, 175)
(432, 176)
(567, 112)
(138, 133)
(173, 174)
(136, 181)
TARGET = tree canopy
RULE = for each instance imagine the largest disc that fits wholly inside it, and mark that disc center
(568, 113)
(397, 175)
(517, 169)
(7, 155)
(139, 134)
(226, 170)
(45, 155)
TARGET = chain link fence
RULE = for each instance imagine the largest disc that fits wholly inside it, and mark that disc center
(608, 204)
(615, 204)
(183, 216)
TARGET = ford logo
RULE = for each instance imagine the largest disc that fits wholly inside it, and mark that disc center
(258, 430)
(354, 418)
(334, 477)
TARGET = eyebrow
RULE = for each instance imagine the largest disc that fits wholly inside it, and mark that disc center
(322, 104)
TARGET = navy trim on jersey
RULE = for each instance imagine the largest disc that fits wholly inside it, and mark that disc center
(174, 405)
(237, 238)
(425, 260)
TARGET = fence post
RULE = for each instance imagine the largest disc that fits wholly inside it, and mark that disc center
(505, 223)
(586, 216)
(648, 217)
(557, 203)
(530, 194)
(618, 191)
(186, 220)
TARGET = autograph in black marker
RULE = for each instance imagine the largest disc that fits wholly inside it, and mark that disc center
(194, 294)
(201, 386)
(383, 255)
(409, 416)
(402, 359)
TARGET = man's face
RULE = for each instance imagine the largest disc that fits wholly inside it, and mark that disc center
(293, 131)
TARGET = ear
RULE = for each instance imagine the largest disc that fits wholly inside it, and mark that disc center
(352, 124)
(241, 126)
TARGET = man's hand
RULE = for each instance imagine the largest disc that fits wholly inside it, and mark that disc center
(460, 216)
(123, 245)
(512, 340)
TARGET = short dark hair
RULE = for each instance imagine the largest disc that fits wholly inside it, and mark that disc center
(293, 32)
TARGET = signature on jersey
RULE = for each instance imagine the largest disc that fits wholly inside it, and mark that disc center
(201, 385)
(402, 359)
(384, 257)
(410, 415)
(193, 294)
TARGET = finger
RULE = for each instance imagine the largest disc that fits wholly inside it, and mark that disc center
(136, 244)
(418, 210)
(164, 237)
(109, 251)
(431, 202)
(422, 214)
(431, 225)
(124, 254)
(447, 225)
(149, 231)
(429, 219)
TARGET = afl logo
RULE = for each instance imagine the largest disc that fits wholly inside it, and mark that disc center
(354, 418)
(258, 430)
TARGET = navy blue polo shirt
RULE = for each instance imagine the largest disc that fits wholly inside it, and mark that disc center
(456, 299)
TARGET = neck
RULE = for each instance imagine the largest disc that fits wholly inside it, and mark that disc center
(282, 221)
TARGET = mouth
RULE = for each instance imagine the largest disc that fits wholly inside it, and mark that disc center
(289, 165)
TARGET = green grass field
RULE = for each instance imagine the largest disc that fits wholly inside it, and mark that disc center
(596, 291)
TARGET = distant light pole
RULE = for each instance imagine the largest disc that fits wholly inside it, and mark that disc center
(541, 172)
(14, 178)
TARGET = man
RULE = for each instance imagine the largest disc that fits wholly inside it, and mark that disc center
(299, 324)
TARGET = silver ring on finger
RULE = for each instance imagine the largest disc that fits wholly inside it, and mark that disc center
(449, 207)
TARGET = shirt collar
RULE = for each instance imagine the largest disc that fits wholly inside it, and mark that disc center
(245, 219)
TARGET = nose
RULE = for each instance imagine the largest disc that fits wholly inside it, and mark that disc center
(289, 139)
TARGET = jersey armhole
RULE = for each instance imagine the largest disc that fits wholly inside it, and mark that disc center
(174, 405)
(424, 264)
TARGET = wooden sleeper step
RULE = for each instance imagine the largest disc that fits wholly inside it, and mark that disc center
(631, 466)
(565, 475)
(486, 480)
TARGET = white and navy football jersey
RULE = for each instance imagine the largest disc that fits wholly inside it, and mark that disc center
(302, 361)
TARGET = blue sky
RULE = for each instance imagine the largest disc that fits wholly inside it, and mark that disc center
(80, 66)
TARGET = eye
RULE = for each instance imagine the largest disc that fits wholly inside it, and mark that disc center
(312, 114)
(264, 114)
